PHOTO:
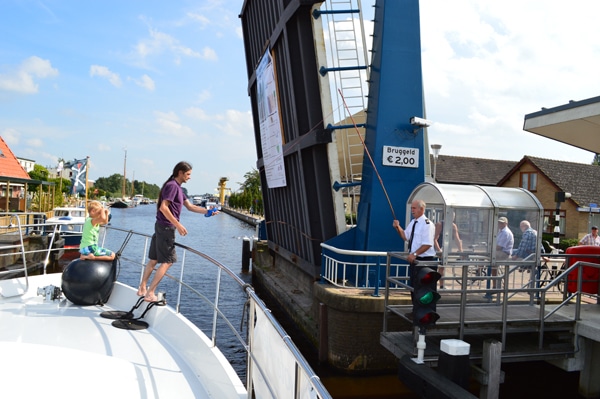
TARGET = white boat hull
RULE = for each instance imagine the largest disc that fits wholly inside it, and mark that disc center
(57, 349)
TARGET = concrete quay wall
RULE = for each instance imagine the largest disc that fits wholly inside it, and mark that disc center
(241, 215)
(342, 324)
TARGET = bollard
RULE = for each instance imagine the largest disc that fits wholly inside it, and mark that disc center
(246, 255)
(454, 361)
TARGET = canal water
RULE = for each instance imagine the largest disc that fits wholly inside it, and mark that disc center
(221, 238)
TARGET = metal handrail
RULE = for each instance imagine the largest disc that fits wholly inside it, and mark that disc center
(253, 308)
(531, 291)
(254, 305)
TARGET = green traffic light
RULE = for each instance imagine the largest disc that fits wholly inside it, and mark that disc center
(427, 298)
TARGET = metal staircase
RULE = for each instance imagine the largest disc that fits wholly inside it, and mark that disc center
(347, 70)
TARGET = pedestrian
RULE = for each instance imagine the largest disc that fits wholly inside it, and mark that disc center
(88, 247)
(592, 238)
(438, 242)
(171, 200)
(504, 245)
(528, 243)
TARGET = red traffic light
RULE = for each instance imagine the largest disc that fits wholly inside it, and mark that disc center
(426, 318)
(427, 275)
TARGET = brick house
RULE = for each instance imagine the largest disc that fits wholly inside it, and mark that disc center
(543, 177)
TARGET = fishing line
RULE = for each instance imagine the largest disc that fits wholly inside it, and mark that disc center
(368, 154)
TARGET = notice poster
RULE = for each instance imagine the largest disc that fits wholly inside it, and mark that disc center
(271, 137)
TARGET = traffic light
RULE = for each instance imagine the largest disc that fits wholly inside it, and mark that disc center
(425, 297)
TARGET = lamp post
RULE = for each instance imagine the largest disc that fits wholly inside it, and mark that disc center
(436, 152)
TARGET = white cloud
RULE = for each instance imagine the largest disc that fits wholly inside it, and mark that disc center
(23, 78)
(169, 123)
(104, 72)
(35, 142)
(204, 95)
(201, 20)
(196, 113)
(11, 136)
(209, 54)
(146, 82)
(236, 123)
(159, 43)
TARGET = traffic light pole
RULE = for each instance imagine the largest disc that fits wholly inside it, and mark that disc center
(421, 345)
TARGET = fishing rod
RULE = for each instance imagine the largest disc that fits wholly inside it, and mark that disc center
(368, 154)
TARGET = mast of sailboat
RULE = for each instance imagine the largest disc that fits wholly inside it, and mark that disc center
(124, 175)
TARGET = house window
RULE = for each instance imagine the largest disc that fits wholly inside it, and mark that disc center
(529, 181)
(549, 219)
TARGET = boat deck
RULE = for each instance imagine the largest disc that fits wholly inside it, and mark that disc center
(58, 347)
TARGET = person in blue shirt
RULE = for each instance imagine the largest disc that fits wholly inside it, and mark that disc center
(504, 246)
(527, 246)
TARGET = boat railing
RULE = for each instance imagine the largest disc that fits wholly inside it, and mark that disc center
(286, 375)
(17, 250)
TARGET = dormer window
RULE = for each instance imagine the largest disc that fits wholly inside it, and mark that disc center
(529, 181)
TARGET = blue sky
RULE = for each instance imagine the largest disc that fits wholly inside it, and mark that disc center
(164, 80)
(167, 81)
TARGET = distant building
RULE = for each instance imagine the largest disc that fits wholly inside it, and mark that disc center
(27, 164)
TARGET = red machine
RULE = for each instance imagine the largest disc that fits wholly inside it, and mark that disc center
(590, 274)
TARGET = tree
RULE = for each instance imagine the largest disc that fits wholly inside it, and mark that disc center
(111, 184)
(38, 173)
(250, 197)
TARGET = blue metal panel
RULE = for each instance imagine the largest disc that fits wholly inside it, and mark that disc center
(395, 96)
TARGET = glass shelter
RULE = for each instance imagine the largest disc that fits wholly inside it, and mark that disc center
(468, 221)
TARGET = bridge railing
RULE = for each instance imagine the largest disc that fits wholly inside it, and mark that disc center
(345, 268)
(566, 290)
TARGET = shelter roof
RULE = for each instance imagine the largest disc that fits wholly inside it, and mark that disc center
(576, 123)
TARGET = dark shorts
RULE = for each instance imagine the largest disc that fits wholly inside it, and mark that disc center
(162, 246)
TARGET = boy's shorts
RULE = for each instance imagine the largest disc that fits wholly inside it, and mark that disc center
(95, 250)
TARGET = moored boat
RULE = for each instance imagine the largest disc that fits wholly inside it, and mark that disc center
(69, 221)
(122, 203)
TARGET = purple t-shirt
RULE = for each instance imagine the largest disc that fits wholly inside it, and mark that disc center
(173, 193)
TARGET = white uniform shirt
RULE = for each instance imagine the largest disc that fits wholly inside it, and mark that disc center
(424, 234)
